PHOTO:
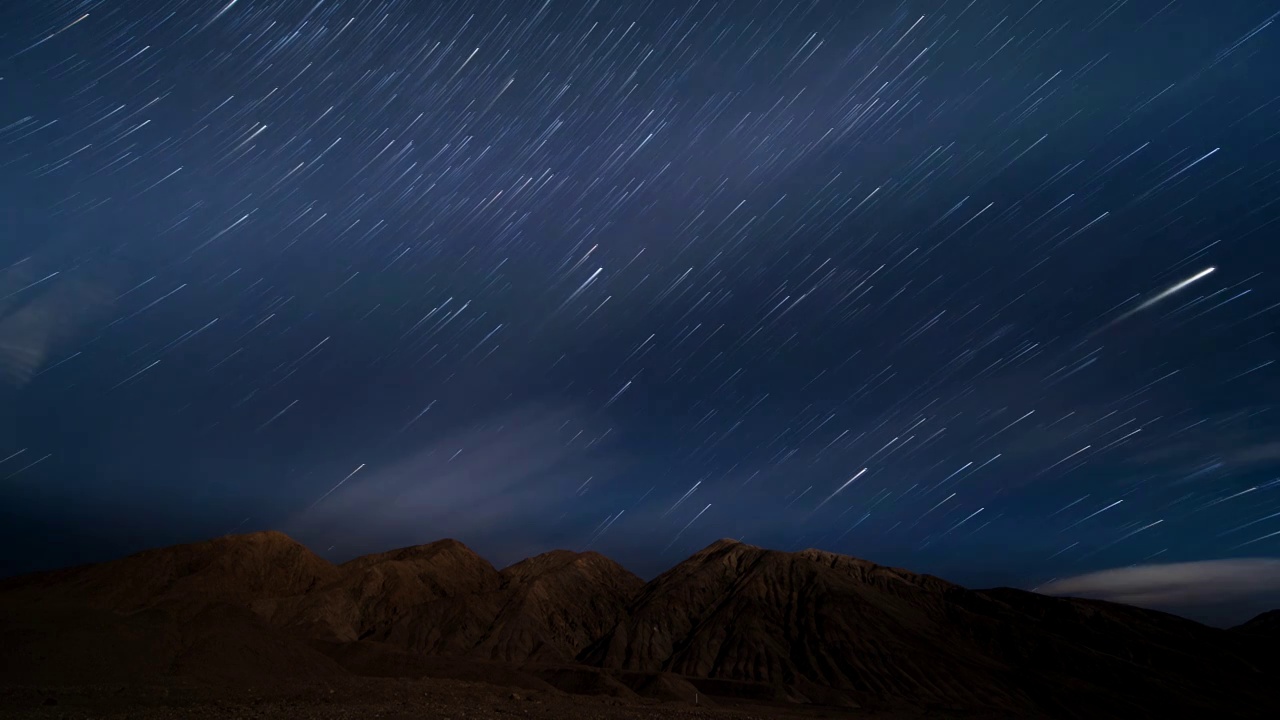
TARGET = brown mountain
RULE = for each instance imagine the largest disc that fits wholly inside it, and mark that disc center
(443, 599)
(181, 611)
(836, 629)
(436, 599)
(556, 604)
(370, 595)
(733, 620)
(60, 642)
(236, 569)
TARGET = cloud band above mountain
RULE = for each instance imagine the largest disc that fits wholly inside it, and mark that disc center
(1209, 582)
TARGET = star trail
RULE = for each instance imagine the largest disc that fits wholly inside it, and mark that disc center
(981, 289)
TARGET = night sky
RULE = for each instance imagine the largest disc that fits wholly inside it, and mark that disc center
(987, 290)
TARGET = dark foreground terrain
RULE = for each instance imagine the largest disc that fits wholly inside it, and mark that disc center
(257, 626)
(390, 699)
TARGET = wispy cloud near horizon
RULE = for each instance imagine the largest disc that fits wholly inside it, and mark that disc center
(1177, 585)
(502, 485)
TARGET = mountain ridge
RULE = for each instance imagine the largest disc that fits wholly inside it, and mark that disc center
(810, 626)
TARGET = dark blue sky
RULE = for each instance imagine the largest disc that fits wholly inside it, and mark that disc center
(635, 276)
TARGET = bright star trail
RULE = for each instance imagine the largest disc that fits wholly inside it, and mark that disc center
(637, 276)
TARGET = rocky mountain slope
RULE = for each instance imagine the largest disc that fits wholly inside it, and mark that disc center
(835, 629)
(236, 569)
(731, 621)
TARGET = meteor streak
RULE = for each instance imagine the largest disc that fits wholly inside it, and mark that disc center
(1161, 295)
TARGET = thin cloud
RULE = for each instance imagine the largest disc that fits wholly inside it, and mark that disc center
(1172, 585)
(39, 315)
(503, 483)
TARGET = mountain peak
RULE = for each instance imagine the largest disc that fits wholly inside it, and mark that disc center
(590, 565)
(231, 569)
(724, 544)
(448, 547)
(262, 536)
(546, 560)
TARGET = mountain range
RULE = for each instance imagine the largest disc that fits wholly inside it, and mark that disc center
(733, 621)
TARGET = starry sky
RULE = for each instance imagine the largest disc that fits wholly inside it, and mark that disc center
(982, 289)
